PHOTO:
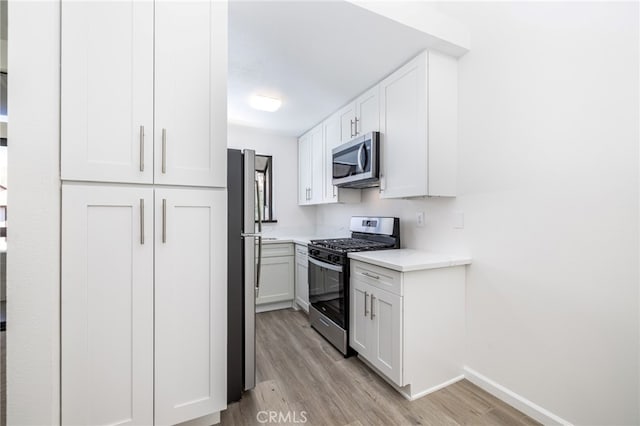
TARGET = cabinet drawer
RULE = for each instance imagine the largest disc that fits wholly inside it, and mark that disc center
(274, 250)
(383, 278)
(301, 253)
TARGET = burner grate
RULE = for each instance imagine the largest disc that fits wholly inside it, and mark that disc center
(350, 244)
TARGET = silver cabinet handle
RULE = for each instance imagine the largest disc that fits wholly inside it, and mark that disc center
(365, 303)
(334, 192)
(356, 127)
(142, 148)
(372, 314)
(164, 220)
(164, 150)
(351, 128)
(141, 220)
(375, 277)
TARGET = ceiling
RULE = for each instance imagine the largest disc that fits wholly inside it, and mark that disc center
(314, 55)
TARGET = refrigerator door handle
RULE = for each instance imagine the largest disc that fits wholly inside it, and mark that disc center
(250, 235)
(259, 270)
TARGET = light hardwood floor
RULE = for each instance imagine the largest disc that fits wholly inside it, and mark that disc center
(297, 370)
(3, 378)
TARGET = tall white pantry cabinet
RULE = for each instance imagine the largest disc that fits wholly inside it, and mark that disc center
(143, 168)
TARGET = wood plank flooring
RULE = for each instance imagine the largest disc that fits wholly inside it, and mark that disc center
(3, 378)
(298, 371)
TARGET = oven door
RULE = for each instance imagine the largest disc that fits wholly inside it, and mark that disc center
(326, 290)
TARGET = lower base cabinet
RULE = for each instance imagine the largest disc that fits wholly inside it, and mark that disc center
(141, 335)
(276, 289)
(409, 326)
(302, 277)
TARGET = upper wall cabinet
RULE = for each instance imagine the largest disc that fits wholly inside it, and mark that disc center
(310, 167)
(418, 126)
(333, 194)
(361, 116)
(107, 91)
(190, 93)
(108, 74)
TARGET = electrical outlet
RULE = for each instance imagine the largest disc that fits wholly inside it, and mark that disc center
(420, 219)
(458, 219)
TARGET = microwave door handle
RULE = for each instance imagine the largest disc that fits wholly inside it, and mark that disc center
(360, 162)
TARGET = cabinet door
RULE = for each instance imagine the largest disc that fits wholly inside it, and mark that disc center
(190, 304)
(317, 164)
(386, 321)
(107, 305)
(347, 122)
(276, 280)
(403, 126)
(304, 169)
(190, 93)
(302, 278)
(331, 140)
(107, 91)
(359, 321)
(368, 112)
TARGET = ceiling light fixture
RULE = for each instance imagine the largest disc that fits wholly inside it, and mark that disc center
(265, 103)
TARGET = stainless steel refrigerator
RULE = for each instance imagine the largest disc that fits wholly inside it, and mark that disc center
(244, 263)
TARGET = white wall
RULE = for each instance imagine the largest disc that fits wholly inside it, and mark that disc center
(292, 219)
(33, 282)
(548, 184)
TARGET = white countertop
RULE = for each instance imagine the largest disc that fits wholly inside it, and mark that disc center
(296, 239)
(407, 260)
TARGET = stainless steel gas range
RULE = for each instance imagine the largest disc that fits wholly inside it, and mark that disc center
(329, 274)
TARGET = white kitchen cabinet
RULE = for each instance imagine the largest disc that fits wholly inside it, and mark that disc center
(277, 289)
(190, 93)
(376, 328)
(409, 326)
(127, 324)
(311, 167)
(386, 327)
(144, 282)
(333, 194)
(107, 305)
(107, 91)
(304, 169)
(418, 125)
(360, 116)
(190, 303)
(317, 164)
(360, 333)
(367, 112)
(302, 277)
(347, 116)
(124, 68)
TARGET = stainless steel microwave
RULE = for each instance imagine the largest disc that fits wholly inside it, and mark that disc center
(356, 164)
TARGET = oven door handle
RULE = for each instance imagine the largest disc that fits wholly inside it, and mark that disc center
(326, 265)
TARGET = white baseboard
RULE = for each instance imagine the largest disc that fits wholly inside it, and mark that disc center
(274, 306)
(519, 402)
(405, 391)
(433, 388)
(302, 304)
